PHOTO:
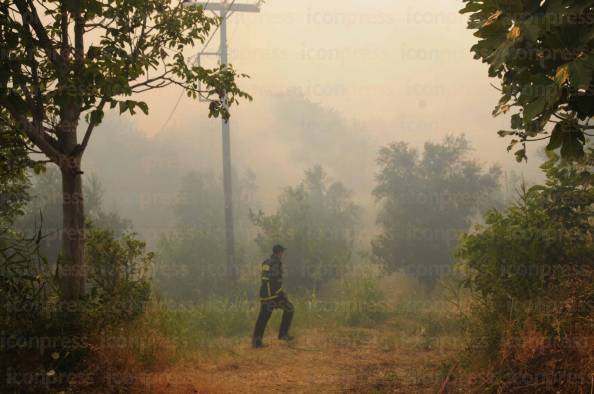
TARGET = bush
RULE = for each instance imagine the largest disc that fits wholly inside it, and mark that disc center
(40, 346)
(118, 276)
(316, 220)
(192, 257)
(426, 199)
(530, 269)
(365, 302)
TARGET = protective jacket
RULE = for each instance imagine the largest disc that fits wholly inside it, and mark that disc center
(272, 279)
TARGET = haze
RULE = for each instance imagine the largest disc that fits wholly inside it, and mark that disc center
(331, 80)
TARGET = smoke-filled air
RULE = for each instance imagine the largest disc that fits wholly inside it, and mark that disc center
(338, 196)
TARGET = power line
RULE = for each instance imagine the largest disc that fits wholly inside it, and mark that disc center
(224, 11)
(172, 112)
(181, 94)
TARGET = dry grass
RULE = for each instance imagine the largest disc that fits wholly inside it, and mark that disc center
(410, 351)
(352, 360)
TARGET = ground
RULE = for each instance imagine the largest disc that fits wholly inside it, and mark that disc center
(354, 360)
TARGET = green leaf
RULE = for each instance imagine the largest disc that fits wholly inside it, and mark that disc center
(572, 148)
(556, 138)
(580, 74)
(512, 143)
(521, 155)
(505, 133)
(516, 121)
(537, 188)
(70, 5)
(531, 30)
(97, 116)
(93, 52)
(471, 7)
(143, 107)
(535, 108)
(123, 106)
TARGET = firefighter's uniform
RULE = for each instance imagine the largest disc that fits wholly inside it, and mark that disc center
(273, 297)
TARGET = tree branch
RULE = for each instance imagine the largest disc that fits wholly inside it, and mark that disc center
(38, 137)
(151, 80)
(31, 18)
(79, 47)
(64, 44)
(91, 127)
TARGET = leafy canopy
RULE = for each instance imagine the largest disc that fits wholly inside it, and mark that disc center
(426, 199)
(189, 256)
(63, 59)
(316, 220)
(542, 53)
(521, 251)
(529, 268)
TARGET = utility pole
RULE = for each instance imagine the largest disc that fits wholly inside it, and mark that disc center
(225, 9)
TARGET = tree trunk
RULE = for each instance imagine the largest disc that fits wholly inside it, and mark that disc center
(72, 263)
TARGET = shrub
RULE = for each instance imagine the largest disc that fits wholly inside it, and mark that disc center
(118, 277)
(40, 347)
(316, 220)
(530, 268)
(365, 302)
(191, 265)
(426, 199)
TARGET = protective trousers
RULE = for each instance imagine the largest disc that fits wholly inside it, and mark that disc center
(266, 308)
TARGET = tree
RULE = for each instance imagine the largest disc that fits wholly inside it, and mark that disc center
(529, 268)
(43, 211)
(425, 201)
(95, 213)
(316, 220)
(542, 53)
(62, 60)
(189, 259)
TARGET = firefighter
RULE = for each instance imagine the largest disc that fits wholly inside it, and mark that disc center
(273, 297)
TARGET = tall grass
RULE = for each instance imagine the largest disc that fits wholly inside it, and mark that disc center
(218, 325)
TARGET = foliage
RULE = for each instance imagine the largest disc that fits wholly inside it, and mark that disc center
(45, 203)
(43, 211)
(25, 277)
(118, 277)
(542, 53)
(38, 339)
(530, 268)
(31, 309)
(67, 60)
(316, 220)
(191, 264)
(366, 302)
(219, 325)
(95, 212)
(25, 280)
(80, 56)
(425, 201)
(14, 181)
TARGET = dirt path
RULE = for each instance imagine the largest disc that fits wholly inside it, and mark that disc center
(348, 361)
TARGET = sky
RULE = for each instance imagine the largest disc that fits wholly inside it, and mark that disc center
(375, 71)
(399, 69)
